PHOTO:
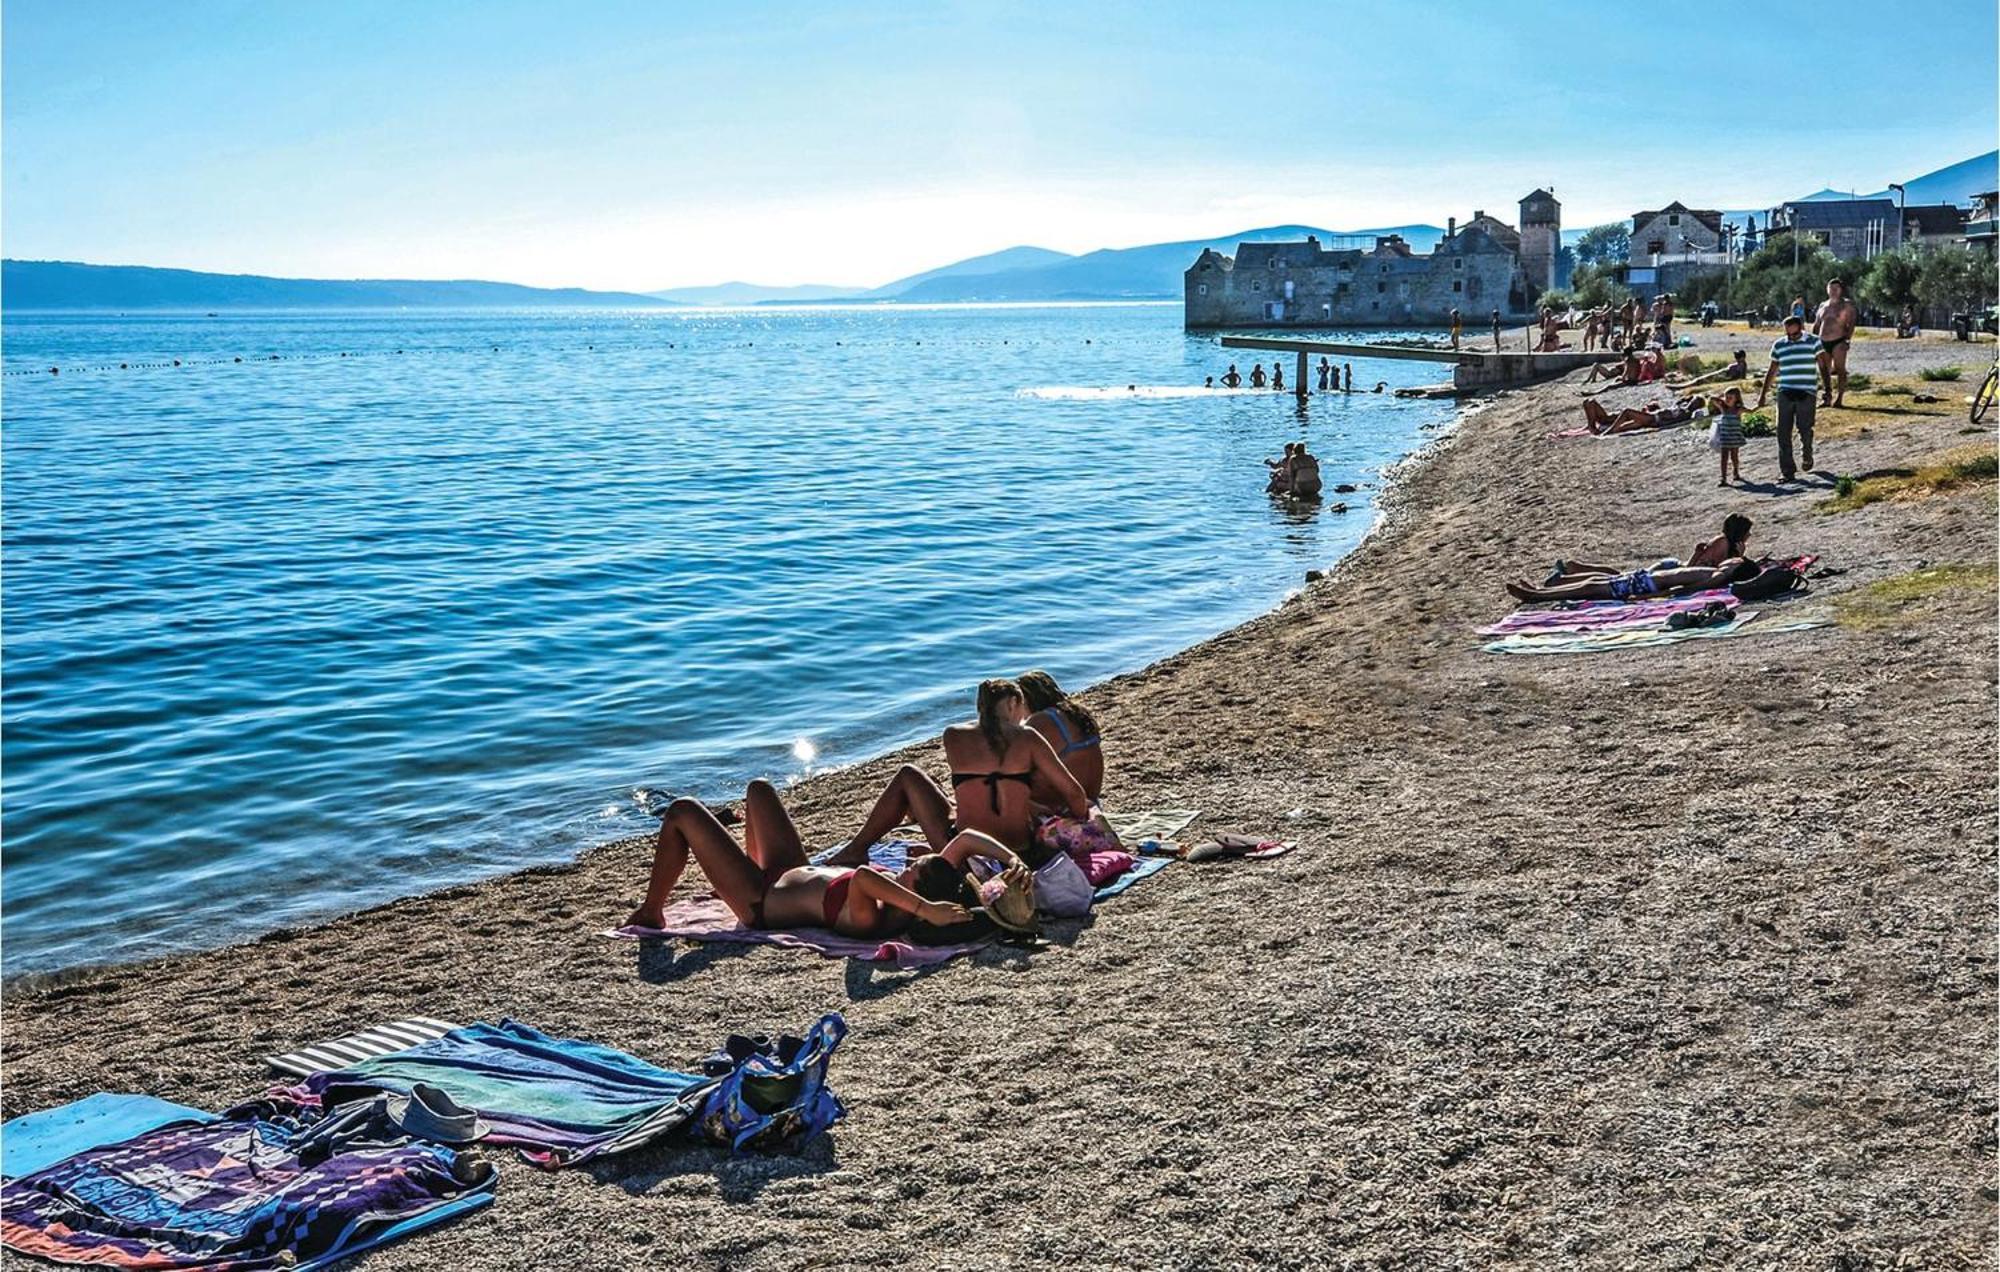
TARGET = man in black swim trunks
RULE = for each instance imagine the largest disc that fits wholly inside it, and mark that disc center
(1835, 328)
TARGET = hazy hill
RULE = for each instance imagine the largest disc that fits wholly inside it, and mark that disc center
(750, 294)
(71, 285)
(1010, 258)
(1150, 272)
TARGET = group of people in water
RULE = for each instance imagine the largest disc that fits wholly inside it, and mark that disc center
(1332, 379)
(1026, 778)
(1296, 473)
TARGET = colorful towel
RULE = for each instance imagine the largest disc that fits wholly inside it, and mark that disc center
(355, 1047)
(560, 1101)
(1597, 616)
(1608, 641)
(1142, 869)
(706, 918)
(229, 1195)
(36, 1141)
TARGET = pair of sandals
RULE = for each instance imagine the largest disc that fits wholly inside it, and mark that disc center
(1713, 614)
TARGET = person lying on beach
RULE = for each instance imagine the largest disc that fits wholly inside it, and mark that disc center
(1231, 380)
(996, 764)
(1639, 585)
(767, 882)
(1633, 419)
(1734, 541)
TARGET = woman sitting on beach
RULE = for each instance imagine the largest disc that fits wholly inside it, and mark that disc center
(1637, 585)
(769, 883)
(1066, 725)
(997, 763)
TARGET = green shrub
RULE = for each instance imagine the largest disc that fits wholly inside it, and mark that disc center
(1938, 373)
(1860, 380)
(1844, 488)
(1758, 424)
(1893, 390)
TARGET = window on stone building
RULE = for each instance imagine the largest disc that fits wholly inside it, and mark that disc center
(1673, 218)
(1458, 262)
(1656, 246)
(1258, 285)
(1381, 287)
(1458, 284)
(1201, 289)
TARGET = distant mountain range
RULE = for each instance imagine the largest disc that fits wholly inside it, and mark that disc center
(1149, 272)
(70, 285)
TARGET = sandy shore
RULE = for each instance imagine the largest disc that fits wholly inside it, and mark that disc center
(1666, 958)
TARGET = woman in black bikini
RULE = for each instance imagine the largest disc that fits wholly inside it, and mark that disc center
(996, 764)
(769, 883)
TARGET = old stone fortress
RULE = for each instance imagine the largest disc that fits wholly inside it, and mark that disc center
(1477, 268)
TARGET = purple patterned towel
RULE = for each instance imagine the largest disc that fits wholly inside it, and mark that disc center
(1599, 616)
(229, 1195)
(706, 918)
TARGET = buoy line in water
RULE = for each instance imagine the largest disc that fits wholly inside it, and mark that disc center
(260, 359)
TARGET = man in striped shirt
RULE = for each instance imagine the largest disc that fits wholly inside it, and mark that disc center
(1795, 369)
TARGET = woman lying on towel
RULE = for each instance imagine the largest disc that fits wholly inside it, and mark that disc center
(1734, 541)
(768, 883)
(1639, 585)
(997, 763)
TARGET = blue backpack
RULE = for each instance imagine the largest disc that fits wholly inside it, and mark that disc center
(770, 1100)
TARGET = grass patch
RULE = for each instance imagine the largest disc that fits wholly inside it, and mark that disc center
(1939, 373)
(1954, 468)
(1860, 380)
(1892, 390)
(1883, 602)
(1758, 424)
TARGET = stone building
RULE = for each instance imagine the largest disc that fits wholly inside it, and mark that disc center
(1672, 245)
(1541, 239)
(1849, 228)
(1475, 269)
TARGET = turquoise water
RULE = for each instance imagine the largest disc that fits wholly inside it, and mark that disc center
(287, 637)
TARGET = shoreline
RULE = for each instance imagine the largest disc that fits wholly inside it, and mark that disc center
(1381, 500)
(1578, 960)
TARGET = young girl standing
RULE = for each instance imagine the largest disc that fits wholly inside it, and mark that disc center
(1725, 436)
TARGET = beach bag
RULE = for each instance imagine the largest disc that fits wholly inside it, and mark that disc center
(1061, 887)
(1715, 433)
(770, 1101)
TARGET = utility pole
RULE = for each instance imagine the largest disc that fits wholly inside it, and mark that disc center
(1902, 202)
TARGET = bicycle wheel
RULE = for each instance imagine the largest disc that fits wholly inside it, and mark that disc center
(1982, 401)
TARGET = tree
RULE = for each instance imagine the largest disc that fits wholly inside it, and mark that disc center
(1956, 278)
(1891, 281)
(1604, 244)
(1592, 287)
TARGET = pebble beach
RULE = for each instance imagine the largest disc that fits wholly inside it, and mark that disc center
(1672, 957)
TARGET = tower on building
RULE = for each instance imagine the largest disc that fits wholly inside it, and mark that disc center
(1541, 239)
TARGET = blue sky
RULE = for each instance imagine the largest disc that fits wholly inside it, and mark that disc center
(639, 145)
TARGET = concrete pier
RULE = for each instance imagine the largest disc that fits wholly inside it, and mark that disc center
(1472, 369)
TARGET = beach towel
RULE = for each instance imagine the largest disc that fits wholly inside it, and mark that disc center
(1609, 641)
(1592, 616)
(558, 1100)
(355, 1047)
(36, 1141)
(228, 1194)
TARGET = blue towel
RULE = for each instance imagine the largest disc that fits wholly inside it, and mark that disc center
(36, 1141)
(1144, 868)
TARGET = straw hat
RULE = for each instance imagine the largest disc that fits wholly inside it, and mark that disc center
(1010, 903)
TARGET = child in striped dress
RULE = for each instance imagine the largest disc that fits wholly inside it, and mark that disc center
(1725, 437)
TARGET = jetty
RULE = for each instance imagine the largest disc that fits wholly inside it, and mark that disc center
(1473, 370)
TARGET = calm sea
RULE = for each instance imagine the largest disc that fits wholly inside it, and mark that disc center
(291, 635)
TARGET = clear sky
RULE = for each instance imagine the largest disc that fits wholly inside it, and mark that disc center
(638, 145)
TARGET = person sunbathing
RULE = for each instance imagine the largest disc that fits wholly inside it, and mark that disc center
(767, 882)
(1068, 726)
(1638, 585)
(1633, 419)
(996, 764)
(1734, 541)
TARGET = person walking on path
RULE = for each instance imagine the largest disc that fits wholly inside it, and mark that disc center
(1835, 328)
(1496, 331)
(1795, 369)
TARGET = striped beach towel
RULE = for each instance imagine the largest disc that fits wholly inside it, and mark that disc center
(382, 1040)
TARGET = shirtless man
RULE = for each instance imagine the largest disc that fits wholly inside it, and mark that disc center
(1638, 585)
(1230, 379)
(1835, 328)
(1305, 483)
